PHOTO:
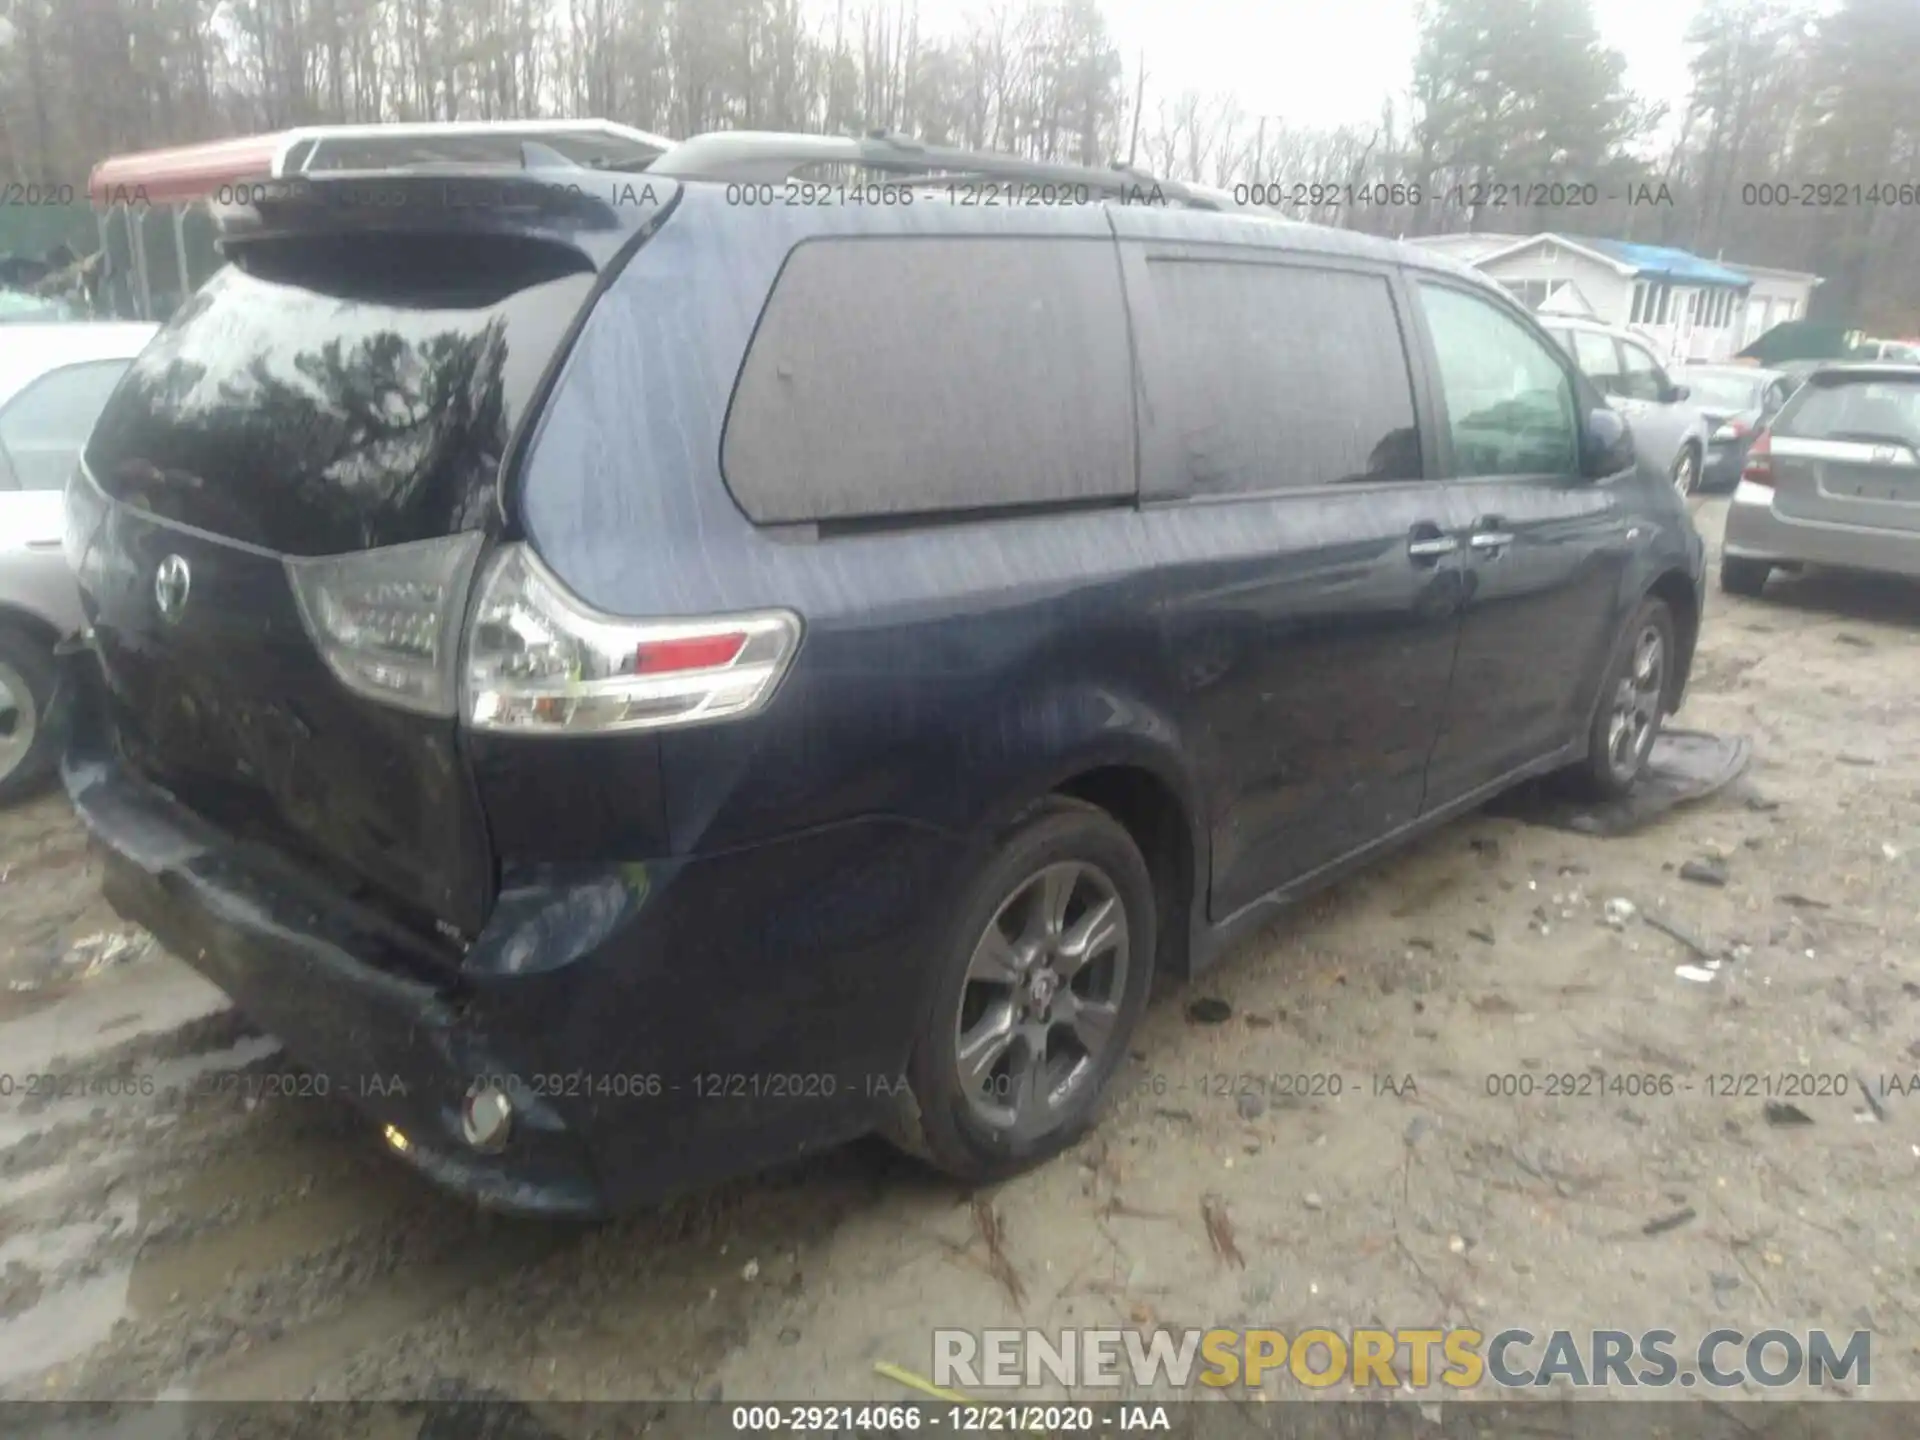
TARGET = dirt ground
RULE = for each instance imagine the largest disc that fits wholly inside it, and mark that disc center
(192, 1239)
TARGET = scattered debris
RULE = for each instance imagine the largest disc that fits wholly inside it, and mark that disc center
(1695, 973)
(1483, 935)
(1865, 762)
(987, 1221)
(1705, 872)
(1485, 846)
(750, 1271)
(1661, 1224)
(1676, 932)
(1213, 1211)
(1684, 766)
(1874, 1102)
(1761, 804)
(1618, 911)
(1859, 642)
(1802, 902)
(1892, 852)
(1209, 1010)
(1456, 1245)
(1779, 1112)
(107, 948)
(1312, 1201)
(1250, 1105)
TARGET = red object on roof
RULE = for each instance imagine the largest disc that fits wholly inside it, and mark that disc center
(183, 173)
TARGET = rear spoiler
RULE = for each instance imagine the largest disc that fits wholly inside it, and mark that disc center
(1838, 372)
(595, 212)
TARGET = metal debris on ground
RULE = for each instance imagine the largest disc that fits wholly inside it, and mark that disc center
(1705, 872)
(1779, 1112)
(1213, 1211)
(107, 948)
(1618, 911)
(1684, 766)
(1660, 1224)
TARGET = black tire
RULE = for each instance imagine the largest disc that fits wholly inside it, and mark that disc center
(1743, 577)
(935, 1118)
(1614, 760)
(1686, 472)
(27, 664)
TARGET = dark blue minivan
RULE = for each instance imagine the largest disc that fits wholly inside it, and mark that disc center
(635, 676)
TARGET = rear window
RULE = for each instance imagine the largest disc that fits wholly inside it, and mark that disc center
(44, 427)
(1286, 376)
(324, 396)
(902, 376)
(1872, 412)
(1728, 392)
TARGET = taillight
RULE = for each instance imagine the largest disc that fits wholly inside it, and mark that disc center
(541, 661)
(1756, 475)
(387, 621)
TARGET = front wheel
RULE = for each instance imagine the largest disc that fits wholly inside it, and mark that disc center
(1043, 977)
(1633, 699)
(27, 740)
(1686, 472)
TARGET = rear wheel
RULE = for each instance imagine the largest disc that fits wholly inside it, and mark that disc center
(1743, 577)
(1686, 472)
(26, 691)
(1043, 978)
(1633, 696)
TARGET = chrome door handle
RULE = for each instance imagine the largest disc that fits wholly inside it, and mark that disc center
(1489, 541)
(1433, 547)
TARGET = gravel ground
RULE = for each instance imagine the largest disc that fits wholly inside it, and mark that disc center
(193, 1237)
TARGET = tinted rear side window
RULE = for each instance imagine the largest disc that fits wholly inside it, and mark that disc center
(1873, 412)
(1286, 376)
(901, 376)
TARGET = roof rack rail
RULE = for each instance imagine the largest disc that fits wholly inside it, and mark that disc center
(770, 157)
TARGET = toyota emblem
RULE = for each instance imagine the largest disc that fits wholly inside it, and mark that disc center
(172, 581)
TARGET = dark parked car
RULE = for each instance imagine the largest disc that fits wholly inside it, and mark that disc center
(1736, 400)
(633, 679)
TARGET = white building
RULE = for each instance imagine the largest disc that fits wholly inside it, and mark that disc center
(1687, 308)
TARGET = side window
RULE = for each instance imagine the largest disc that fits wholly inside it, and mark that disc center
(45, 426)
(1642, 378)
(892, 377)
(1509, 401)
(1284, 375)
(1596, 354)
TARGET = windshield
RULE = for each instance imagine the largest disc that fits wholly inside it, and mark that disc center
(1718, 390)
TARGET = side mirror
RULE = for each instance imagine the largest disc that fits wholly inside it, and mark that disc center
(1606, 447)
(1674, 394)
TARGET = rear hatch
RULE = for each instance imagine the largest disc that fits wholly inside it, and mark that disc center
(281, 510)
(1846, 449)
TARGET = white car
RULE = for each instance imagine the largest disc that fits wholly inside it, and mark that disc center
(1669, 429)
(54, 381)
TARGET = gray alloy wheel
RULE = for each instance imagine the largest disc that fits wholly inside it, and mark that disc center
(1041, 1003)
(19, 720)
(1633, 718)
(1686, 473)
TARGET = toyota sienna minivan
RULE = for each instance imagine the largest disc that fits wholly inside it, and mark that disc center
(634, 677)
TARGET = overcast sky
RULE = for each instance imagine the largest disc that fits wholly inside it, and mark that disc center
(1331, 62)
